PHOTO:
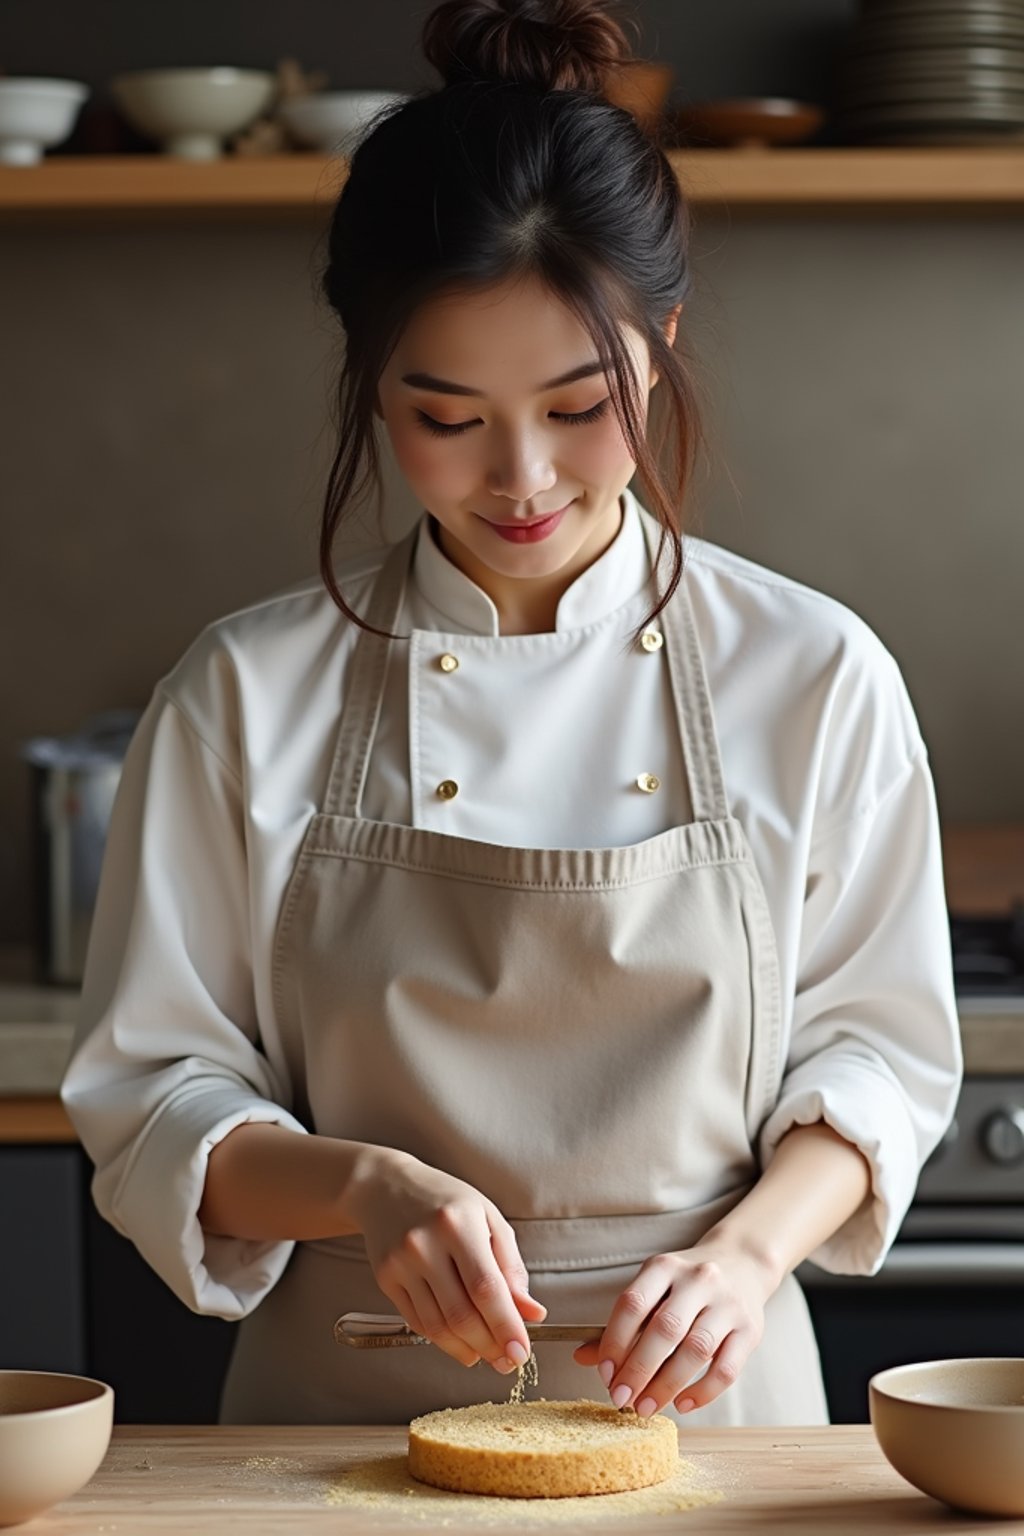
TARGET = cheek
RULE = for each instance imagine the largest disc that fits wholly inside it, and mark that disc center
(424, 460)
(412, 448)
(602, 450)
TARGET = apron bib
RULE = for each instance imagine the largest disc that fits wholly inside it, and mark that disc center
(589, 1036)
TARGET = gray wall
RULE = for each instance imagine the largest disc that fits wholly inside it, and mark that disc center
(166, 428)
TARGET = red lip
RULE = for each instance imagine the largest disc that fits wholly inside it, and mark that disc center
(532, 532)
(515, 522)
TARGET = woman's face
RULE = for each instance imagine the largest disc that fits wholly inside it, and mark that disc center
(509, 446)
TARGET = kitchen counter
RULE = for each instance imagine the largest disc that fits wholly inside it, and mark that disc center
(279, 1480)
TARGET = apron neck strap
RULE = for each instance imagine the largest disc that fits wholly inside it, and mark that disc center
(706, 783)
(364, 692)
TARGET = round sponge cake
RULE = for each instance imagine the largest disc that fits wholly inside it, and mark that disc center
(541, 1450)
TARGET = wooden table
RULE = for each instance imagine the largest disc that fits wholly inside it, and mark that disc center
(271, 1481)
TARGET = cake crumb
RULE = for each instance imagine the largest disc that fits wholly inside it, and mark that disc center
(527, 1375)
(383, 1485)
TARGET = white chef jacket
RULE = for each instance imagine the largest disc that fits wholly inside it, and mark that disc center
(545, 734)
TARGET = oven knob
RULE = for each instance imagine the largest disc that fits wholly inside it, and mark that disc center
(1003, 1136)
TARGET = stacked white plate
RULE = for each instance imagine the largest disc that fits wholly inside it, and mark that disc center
(934, 71)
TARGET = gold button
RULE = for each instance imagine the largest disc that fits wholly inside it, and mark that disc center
(652, 640)
(448, 662)
(648, 782)
(447, 789)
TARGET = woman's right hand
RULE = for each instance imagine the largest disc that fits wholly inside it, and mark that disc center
(446, 1257)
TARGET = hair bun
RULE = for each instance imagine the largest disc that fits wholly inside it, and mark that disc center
(554, 44)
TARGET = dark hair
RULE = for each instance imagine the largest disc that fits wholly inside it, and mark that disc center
(518, 166)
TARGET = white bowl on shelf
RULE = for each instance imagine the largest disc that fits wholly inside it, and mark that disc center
(333, 121)
(192, 111)
(36, 114)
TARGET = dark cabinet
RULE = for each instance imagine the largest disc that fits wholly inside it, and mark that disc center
(42, 1260)
(865, 1326)
(165, 1363)
(76, 1296)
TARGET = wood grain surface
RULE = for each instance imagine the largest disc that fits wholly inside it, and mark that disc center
(24, 1121)
(273, 1481)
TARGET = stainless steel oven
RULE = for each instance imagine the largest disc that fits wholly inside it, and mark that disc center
(953, 1281)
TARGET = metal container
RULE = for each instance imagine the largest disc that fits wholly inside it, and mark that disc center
(75, 779)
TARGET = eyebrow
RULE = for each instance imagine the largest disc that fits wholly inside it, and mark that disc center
(446, 387)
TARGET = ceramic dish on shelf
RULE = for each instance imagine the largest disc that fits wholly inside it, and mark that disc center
(1010, 10)
(54, 1432)
(35, 114)
(986, 28)
(955, 1429)
(925, 63)
(333, 121)
(1001, 112)
(748, 122)
(641, 87)
(192, 111)
(987, 87)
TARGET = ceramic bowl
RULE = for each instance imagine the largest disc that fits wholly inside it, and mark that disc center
(54, 1432)
(955, 1429)
(333, 121)
(756, 122)
(642, 87)
(192, 111)
(35, 114)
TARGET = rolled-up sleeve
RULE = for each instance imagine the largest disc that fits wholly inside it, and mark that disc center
(875, 1047)
(166, 1057)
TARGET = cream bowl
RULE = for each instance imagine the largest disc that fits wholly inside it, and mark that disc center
(192, 111)
(333, 121)
(54, 1432)
(955, 1429)
(36, 114)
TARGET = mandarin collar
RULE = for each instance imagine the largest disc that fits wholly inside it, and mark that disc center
(610, 582)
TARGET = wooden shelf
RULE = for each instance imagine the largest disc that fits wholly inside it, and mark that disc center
(854, 180)
(148, 185)
(737, 181)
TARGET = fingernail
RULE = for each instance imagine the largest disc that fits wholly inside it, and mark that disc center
(516, 1353)
(503, 1365)
(645, 1407)
(621, 1395)
(606, 1370)
(686, 1404)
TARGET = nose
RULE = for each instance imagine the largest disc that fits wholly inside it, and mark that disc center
(521, 466)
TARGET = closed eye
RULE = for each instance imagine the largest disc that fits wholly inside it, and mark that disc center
(580, 418)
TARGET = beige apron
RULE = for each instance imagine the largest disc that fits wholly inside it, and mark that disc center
(589, 1036)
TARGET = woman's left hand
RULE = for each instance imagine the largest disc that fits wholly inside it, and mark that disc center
(703, 1306)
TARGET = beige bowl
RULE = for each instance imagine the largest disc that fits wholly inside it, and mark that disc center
(334, 121)
(192, 111)
(955, 1429)
(54, 1432)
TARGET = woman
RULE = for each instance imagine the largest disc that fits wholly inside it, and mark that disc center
(543, 916)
